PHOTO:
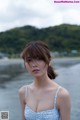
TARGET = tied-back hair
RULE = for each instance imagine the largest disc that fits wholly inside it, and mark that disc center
(39, 50)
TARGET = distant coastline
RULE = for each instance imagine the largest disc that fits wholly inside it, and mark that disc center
(56, 60)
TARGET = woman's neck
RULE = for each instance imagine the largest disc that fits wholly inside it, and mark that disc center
(42, 81)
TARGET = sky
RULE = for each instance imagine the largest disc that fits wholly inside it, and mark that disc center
(38, 13)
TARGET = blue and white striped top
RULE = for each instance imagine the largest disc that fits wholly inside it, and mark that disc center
(51, 114)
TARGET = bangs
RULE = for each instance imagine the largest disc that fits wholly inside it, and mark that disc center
(35, 51)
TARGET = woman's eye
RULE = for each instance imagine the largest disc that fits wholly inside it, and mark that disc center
(38, 58)
(28, 60)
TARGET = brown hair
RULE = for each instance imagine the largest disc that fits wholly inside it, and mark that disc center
(40, 50)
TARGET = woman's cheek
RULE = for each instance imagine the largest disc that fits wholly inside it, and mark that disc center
(26, 66)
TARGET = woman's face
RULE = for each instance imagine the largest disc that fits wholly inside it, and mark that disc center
(36, 67)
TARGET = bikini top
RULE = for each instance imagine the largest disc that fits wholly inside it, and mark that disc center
(51, 114)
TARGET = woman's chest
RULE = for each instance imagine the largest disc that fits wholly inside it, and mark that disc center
(41, 102)
(52, 114)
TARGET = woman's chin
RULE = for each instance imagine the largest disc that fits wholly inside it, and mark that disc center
(37, 75)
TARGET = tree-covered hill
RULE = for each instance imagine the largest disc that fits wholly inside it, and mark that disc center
(64, 37)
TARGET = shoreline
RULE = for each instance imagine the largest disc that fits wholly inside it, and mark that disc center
(56, 60)
(78, 57)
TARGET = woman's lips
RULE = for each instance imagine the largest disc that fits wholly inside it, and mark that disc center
(35, 70)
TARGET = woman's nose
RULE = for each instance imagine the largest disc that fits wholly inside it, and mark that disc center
(34, 64)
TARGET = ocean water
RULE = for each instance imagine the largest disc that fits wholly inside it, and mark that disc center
(14, 76)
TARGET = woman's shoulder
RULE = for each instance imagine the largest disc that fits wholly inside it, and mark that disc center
(64, 93)
(63, 102)
(23, 88)
(64, 96)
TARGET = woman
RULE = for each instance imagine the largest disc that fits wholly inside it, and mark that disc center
(43, 99)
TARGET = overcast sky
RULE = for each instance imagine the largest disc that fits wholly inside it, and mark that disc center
(39, 13)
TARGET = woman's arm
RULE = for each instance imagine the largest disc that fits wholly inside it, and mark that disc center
(64, 104)
(22, 101)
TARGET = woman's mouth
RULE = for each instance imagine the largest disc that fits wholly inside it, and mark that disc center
(35, 70)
